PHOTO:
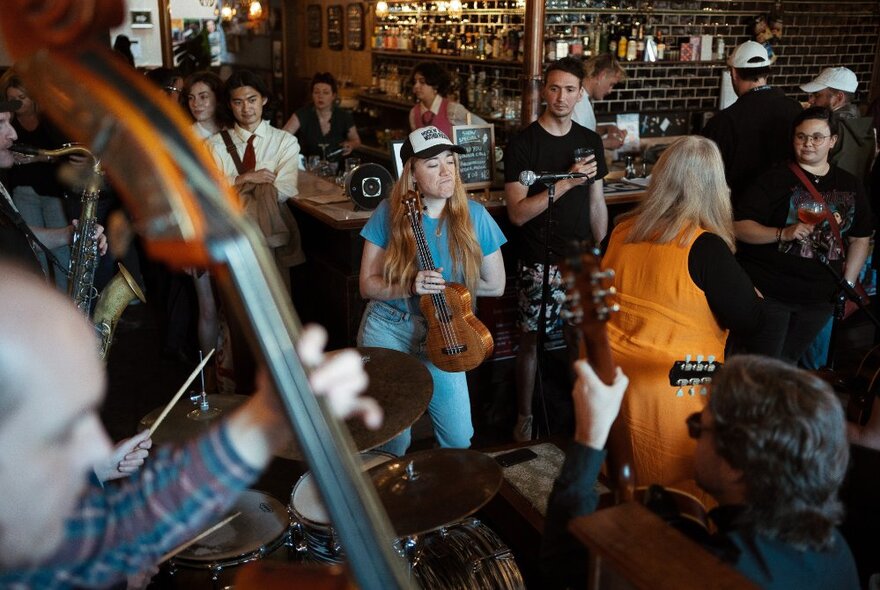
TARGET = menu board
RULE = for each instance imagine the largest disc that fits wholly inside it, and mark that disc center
(477, 164)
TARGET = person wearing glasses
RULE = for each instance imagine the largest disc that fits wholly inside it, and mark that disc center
(771, 449)
(785, 233)
(431, 84)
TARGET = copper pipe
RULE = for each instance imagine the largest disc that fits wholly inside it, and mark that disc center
(532, 61)
(165, 33)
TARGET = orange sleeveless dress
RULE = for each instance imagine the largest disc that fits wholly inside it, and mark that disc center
(663, 317)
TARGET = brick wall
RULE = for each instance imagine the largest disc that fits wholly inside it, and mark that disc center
(815, 35)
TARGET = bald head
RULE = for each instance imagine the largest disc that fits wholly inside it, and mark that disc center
(51, 384)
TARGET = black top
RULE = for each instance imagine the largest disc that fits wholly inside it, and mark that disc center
(729, 290)
(753, 134)
(537, 150)
(790, 271)
(310, 135)
(42, 176)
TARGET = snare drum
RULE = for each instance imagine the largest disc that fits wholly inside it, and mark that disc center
(313, 536)
(464, 556)
(262, 527)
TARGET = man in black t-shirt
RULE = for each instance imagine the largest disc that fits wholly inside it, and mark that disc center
(578, 213)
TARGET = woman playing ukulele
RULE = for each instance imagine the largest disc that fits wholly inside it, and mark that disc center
(464, 241)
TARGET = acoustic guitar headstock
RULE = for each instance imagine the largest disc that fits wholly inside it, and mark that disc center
(693, 374)
(587, 305)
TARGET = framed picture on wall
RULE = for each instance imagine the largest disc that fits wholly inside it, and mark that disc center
(313, 22)
(354, 16)
(334, 26)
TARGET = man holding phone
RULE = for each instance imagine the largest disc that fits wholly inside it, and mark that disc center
(578, 213)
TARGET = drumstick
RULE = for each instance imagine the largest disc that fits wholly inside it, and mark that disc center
(199, 537)
(179, 393)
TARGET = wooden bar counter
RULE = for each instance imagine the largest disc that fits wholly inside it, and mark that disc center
(326, 290)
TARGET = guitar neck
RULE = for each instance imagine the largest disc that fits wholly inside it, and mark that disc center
(423, 253)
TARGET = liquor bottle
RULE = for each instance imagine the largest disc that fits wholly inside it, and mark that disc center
(612, 39)
(497, 43)
(576, 45)
(496, 96)
(482, 92)
(471, 90)
(661, 46)
(640, 43)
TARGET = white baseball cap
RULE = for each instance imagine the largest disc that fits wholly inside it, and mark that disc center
(425, 143)
(837, 78)
(750, 54)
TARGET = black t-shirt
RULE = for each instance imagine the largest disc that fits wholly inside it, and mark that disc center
(753, 134)
(537, 150)
(42, 176)
(309, 133)
(790, 271)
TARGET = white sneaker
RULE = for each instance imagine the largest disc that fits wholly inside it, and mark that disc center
(522, 432)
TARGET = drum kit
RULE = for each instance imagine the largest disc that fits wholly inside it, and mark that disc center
(424, 493)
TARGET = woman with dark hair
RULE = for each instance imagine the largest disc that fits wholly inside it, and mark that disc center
(324, 123)
(788, 222)
(431, 85)
(465, 244)
(205, 97)
(122, 46)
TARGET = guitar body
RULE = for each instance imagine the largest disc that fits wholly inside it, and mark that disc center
(461, 342)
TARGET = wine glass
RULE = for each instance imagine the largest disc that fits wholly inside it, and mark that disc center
(811, 212)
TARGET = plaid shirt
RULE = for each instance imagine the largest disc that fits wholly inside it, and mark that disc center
(124, 528)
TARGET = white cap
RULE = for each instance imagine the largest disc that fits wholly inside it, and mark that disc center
(750, 54)
(427, 142)
(837, 78)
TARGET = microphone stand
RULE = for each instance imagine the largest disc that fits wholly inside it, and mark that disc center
(847, 291)
(538, 388)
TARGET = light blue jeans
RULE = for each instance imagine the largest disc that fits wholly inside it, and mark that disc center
(384, 326)
(42, 211)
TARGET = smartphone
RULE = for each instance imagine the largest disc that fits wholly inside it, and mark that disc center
(515, 457)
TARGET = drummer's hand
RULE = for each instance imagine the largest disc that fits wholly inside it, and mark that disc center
(339, 377)
(128, 456)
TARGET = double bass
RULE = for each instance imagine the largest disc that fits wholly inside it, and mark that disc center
(187, 215)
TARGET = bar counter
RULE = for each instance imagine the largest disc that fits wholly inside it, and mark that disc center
(327, 291)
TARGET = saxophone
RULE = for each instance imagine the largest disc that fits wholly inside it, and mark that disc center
(122, 288)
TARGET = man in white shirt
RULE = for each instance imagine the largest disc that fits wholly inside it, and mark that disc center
(601, 74)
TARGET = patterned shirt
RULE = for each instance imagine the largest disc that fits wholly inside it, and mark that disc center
(126, 527)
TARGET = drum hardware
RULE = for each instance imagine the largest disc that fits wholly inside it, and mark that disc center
(203, 410)
(407, 485)
(401, 385)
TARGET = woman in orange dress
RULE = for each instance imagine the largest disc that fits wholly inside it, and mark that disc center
(679, 289)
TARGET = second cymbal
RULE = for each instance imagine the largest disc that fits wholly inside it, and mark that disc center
(403, 387)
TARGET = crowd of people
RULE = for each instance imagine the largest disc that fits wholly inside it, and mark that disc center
(717, 261)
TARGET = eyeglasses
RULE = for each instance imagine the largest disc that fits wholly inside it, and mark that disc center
(172, 90)
(817, 138)
(695, 427)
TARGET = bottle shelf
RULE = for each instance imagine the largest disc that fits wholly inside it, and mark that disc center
(441, 57)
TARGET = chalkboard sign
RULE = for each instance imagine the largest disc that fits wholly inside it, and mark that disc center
(477, 165)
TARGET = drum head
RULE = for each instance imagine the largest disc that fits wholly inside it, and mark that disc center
(262, 521)
(367, 185)
(305, 500)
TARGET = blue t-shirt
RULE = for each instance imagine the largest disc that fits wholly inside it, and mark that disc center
(489, 237)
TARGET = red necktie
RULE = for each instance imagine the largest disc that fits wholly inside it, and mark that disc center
(250, 157)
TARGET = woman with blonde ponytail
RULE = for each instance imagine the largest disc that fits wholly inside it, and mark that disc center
(465, 244)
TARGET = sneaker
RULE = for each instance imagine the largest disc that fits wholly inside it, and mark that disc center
(522, 432)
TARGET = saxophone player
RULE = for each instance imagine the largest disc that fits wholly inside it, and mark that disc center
(18, 239)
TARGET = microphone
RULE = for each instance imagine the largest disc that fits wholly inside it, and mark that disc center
(528, 178)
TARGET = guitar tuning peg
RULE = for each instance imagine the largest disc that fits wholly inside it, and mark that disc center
(691, 391)
(703, 391)
(687, 358)
(679, 393)
(681, 382)
(711, 359)
(600, 275)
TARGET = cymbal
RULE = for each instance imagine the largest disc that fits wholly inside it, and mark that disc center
(403, 387)
(182, 424)
(427, 490)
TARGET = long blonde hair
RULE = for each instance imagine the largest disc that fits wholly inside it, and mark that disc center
(687, 191)
(401, 265)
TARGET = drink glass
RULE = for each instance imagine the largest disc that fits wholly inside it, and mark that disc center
(313, 163)
(581, 154)
(811, 212)
(351, 164)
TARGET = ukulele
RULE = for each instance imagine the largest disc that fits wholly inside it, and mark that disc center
(457, 340)
(188, 216)
(587, 306)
